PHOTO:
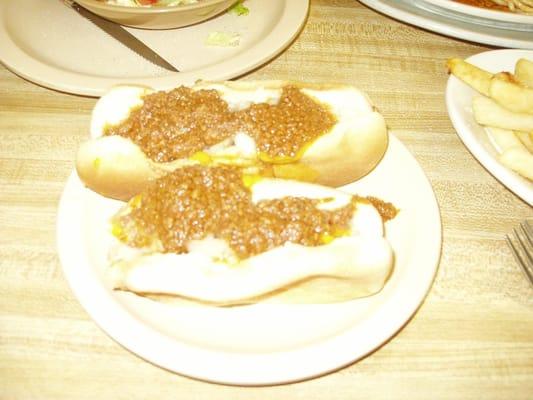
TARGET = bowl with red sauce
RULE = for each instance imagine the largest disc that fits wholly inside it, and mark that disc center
(157, 14)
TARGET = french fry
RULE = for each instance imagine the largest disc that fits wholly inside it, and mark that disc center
(523, 72)
(513, 153)
(526, 138)
(519, 160)
(505, 110)
(473, 76)
(508, 93)
(489, 113)
(503, 139)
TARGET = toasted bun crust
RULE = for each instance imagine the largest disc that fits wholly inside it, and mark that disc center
(117, 168)
(351, 266)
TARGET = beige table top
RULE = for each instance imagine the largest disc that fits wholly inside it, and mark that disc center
(472, 337)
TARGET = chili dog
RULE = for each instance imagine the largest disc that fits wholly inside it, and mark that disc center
(327, 134)
(218, 235)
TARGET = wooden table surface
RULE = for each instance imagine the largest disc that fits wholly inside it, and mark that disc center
(472, 338)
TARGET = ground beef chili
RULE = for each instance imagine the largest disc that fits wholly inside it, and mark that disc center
(176, 124)
(195, 202)
(281, 130)
(385, 209)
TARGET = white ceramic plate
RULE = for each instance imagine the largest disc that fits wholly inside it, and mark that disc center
(459, 103)
(264, 343)
(49, 44)
(408, 11)
(480, 13)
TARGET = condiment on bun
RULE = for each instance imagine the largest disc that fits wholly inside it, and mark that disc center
(220, 236)
(327, 134)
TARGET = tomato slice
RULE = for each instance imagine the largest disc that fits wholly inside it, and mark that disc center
(147, 2)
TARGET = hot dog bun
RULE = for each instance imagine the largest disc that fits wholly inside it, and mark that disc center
(116, 167)
(355, 264)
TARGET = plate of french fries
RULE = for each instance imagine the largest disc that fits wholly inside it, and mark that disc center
(489, 97)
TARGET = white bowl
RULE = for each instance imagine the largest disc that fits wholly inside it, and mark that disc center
(161, 17)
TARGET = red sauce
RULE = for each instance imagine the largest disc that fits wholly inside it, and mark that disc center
(484, 4)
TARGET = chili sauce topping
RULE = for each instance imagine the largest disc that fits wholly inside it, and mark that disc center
(176, 124)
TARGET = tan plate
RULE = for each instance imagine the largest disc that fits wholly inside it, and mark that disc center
(49, 44)
(263, 343)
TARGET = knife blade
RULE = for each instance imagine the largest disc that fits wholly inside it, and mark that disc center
(123, 36)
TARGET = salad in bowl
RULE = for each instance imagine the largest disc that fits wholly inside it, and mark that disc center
(148, 3)
(157, 14)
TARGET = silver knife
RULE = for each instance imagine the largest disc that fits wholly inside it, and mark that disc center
(122, 35)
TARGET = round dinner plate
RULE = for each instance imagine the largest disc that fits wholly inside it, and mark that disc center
(259, 344)
(453, 24)
(459, 103)
(47, 43)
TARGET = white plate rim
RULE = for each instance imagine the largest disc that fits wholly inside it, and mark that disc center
(494, 61)
(245, 368)
(285, 31)
(449, 27)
